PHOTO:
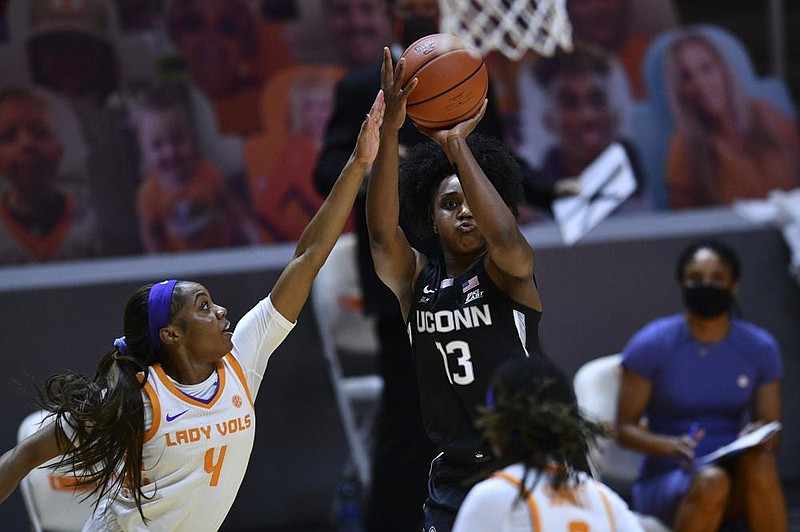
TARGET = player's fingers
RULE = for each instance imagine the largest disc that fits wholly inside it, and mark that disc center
(376, 104)
(399, 70)
(482, 110)
(386, 67)
(408, 89)
(376, 116)
(381, 108)
(372, 115)
(387, 70)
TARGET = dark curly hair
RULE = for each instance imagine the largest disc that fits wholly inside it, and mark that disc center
(426, 165)
(531, 406)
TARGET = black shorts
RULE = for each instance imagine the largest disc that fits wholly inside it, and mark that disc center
(449, 482)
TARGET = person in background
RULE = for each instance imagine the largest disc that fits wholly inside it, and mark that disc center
(359, 29)
(535, 138)
(230, 52)
(71, 53)
(181, 358)
(473, 302)
(280, 163)
(532, 422)
(183, 202)
(697, 376)
(606, 23)
(38, 221)
(726, 145)
(580, 112)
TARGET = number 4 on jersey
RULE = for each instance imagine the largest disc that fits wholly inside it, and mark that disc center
(214, 468)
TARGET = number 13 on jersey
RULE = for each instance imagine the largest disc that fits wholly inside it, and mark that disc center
(457, 350)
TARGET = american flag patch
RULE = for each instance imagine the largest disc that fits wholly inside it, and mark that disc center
(470, 284)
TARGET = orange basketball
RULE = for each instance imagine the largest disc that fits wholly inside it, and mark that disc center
(453, 81)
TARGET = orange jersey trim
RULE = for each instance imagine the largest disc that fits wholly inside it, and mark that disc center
(534, 511)
(156, 404)
(40, 248)
(165, 380)
(237, 368)
(607, 505)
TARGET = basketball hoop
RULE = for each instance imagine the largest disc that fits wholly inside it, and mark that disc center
(511, 27)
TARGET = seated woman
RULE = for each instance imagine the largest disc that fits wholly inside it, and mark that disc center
(696, 376)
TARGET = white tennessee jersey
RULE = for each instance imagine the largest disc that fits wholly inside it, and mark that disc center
(197, 448)
(494, 504)
(195, 456)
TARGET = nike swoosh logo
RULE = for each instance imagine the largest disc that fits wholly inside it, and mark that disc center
(176, 416)
(427, 290)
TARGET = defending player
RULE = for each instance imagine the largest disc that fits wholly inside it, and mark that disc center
(470, 309)
(164, 429)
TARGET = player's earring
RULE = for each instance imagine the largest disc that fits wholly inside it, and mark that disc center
(435, 229)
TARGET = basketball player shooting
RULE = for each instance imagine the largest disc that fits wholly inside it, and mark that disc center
(468, 311)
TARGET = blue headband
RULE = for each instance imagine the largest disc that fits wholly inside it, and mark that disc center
(158, 310)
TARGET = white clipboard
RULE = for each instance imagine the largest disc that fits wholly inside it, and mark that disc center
(741, 443)
(605, 185)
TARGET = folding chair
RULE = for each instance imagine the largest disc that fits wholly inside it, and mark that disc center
(344, 328)
(52, 503)
(596, 385)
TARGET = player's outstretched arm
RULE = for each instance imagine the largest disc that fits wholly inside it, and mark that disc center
(395, 260)
(294, 285)
(31, 452)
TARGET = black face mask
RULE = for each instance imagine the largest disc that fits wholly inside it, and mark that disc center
(706, 300)
(414, 28)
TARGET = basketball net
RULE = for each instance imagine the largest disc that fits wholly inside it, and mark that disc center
(511, 27)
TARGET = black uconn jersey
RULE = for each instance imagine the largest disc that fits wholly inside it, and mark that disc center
(461, 330)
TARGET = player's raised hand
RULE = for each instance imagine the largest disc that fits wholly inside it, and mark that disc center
(369, 137)
(458, 131)
(394, 93)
